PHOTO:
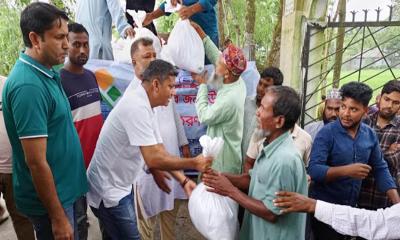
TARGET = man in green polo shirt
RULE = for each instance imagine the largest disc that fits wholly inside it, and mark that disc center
(278, 167)
(48, 168)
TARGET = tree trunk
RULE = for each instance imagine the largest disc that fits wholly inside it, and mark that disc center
(339, 44)
(273, 58)
(221, 21)
(249, 44)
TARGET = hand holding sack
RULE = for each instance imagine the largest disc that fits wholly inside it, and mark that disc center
(213, 215)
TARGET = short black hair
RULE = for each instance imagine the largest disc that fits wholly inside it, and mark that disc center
(140, 41)
(357, 91)
(39, 17)
(391, 86)
(287, 104)
(274, 73)
(77, 28)
(159, 69)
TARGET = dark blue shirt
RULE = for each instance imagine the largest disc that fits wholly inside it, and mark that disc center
(334, 147)
(207, 19)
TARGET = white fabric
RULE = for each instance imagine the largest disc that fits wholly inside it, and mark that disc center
(211, 146)
(5, 146)
(302, 140)
(213, 215)
(117, 159)
(186, 47)
(171, 9)
(153, 199)
(380, 224)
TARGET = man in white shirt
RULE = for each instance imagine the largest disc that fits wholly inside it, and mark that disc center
(129, 138)
(380, 224)
(158, 197)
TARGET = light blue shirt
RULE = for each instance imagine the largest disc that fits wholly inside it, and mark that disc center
(97, 16)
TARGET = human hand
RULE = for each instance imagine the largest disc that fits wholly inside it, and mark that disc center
(218, 182)
(160, 178)
(186, 151)
(129, 32)
(294, 202)
(62, 229)
(185, 12)
(200, 78)
(198, 29)
(394, 147)
(189, 187)
(203, 163)
(357, 170)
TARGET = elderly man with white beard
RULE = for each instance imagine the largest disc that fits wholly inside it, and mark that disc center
(225, 117)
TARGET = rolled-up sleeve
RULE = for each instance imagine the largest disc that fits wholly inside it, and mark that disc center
(317, 167)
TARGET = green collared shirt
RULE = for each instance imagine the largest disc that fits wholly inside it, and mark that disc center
(224, 118)
(279, 167)
(35, 105)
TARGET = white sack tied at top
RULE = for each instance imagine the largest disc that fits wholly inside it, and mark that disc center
(213, 215)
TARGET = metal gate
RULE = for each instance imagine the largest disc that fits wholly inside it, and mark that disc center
(371, 54)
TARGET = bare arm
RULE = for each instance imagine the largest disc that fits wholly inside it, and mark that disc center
(157, 157)
(42, 177)
(240, 181)
(248, 164)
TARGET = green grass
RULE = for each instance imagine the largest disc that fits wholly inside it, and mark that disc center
(368, 77)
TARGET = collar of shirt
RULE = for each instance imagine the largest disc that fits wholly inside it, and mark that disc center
(270, 148)
(229, 86)
(338, 126)
(372, 119)
(50, 73)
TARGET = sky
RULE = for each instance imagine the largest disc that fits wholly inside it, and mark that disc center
(359, 5)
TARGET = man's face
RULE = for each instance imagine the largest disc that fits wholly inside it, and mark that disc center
(262, 85)
(351, 113)
(166, 90)
(142, 58)
(265, 114)
(53, 47)
(78, 52)
(331, 111)
(389, 105)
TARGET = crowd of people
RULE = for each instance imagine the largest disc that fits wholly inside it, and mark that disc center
(59, 156)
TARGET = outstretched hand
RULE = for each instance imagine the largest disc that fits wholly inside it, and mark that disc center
(294, 202)
(218, 183)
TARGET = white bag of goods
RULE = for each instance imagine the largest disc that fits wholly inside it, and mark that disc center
(142, 32)
(186, 47)
(213, 215)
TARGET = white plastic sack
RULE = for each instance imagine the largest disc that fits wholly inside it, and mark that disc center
(213, 215)
(171, 9)
(186, 47)
(141, 31)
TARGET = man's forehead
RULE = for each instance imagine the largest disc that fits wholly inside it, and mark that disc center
(332, 102)
(81, 37)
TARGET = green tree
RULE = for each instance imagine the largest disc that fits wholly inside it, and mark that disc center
(10, 35)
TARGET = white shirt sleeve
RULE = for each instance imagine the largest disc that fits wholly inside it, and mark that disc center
(141, 127)
(380, 224)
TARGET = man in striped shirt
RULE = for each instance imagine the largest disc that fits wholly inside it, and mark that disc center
(83, 94)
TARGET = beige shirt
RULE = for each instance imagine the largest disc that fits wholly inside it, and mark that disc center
(302, 141)
(5, 147)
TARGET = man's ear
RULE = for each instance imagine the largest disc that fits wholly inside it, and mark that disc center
(35, 40)
(279, 121)
(156, 84)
